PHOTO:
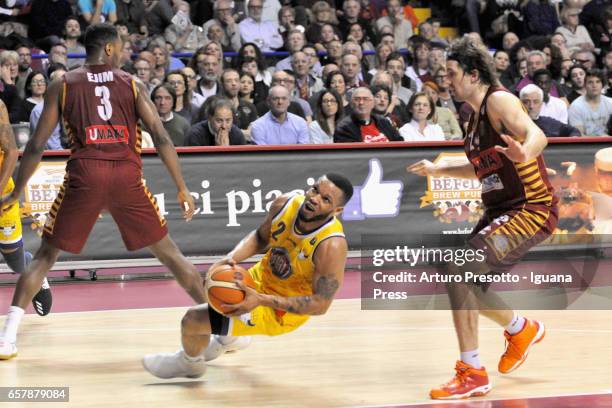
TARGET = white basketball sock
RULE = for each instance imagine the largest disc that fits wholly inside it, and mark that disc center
(11, 325)
(471, 357)
(516, 324)
(195, 359)
(45, 284)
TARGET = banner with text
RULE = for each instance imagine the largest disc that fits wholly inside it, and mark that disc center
(233, 190)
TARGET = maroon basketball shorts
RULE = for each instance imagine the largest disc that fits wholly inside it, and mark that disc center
(506, 236)
(92, 186)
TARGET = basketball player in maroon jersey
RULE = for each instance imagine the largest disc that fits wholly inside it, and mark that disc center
(504, 148)
(100, 106)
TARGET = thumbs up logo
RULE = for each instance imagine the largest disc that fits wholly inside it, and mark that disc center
(375, 198)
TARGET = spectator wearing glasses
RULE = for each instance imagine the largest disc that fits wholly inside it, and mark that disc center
(362, 125)
(178, 82)
(35, 89)
(445, 99)
(328, 112)
(263, 33)
(584, 58)
(143, 72)
(279, 126)
(577, 37)
(335, 81)
(443, 116)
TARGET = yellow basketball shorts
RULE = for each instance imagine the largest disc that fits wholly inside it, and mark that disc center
(10, 224)
(261, 320)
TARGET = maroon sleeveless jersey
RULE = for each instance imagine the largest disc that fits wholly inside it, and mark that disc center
(99, 112)
(505, 184)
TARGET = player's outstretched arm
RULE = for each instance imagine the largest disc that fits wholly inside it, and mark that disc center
(8, 146)
(36, 145)
(165, 147)
(524, 139)
(329, 260)
(458, 170)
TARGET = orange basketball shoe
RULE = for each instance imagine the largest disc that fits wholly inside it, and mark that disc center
(517, 346)
(467, 382)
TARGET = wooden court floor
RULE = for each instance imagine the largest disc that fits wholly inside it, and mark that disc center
(348, 357)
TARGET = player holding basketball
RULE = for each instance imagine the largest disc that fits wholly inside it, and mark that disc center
(100, 106)
(11, 242)
(298, 276)
(504, 148)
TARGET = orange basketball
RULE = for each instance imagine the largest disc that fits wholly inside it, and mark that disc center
(221, 287)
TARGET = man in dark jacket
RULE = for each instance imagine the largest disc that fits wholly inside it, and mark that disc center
(362, 125)
(219, 129)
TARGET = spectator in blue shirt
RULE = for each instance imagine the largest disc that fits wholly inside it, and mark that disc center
(98, 11)
(279, 126)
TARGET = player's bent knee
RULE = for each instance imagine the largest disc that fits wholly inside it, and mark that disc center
(196, 320)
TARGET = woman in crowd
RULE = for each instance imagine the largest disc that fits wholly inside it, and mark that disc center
(357, 33)
(577, 37)
(252, 50)
(421, 109)
(247, 87)
(178, 81)
(443, 116)
(328, 112)
(502, 61)
(335, 80)
(8, 91)
(326, 36)
(35, 89)
(249, 66)
(382, 52)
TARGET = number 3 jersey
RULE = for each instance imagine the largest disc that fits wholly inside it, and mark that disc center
(99, 112)
(287, 267)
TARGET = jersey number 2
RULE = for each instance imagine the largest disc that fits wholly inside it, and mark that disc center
(106, 109)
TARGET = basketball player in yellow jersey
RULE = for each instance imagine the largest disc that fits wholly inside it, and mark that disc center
(298, 276)
(11, 242)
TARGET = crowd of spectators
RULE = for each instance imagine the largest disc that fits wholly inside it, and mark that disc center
(352, 70)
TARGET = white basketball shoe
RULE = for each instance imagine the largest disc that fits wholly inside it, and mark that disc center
(225, 344)
(172, 365)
